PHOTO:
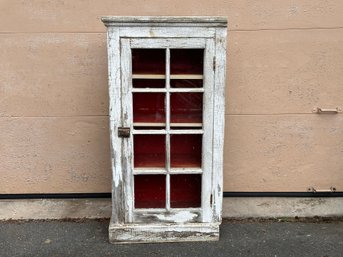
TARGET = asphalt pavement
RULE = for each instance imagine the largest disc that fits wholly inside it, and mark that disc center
(237, 238)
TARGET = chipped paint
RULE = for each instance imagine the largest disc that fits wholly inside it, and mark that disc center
(120, 42)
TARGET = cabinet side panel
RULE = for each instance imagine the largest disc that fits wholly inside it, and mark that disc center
(207, 151)
(219, 122)
(127, 144)
(115, 117)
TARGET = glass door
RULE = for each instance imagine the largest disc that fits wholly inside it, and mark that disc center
(167, 103)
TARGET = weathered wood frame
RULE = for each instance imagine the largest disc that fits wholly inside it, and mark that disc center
(154, 225)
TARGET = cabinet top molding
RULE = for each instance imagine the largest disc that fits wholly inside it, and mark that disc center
(165, 21)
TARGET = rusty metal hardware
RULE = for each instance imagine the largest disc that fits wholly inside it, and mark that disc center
(323, 110)
(313, 190)
(123, 132)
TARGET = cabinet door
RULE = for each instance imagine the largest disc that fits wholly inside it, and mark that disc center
(167, 102)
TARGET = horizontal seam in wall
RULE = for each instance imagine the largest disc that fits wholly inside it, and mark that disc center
(275, 114)
(61, 116)
(104, 32)
(285, 29)
(106, 115)
(109, 195)
(51, 32)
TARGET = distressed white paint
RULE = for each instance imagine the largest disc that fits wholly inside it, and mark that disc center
(168, 43)
(209, 126)
(157, 225)
(161, 76)
(179, 217)
(167, 108)
(218, 120)
(115, 116)
(163, 233)
(126, 119)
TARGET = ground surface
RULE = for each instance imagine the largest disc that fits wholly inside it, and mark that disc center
(250, 238)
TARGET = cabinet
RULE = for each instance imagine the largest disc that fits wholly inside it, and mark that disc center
(166, 87)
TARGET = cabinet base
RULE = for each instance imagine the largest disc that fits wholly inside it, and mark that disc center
(158, 233)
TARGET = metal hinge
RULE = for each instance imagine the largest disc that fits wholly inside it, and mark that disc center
(123, 132)
(214, 63)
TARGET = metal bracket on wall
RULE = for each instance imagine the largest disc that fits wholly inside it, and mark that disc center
(323, 110)
(313, 190)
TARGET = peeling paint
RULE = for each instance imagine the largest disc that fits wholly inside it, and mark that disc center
(180, 217)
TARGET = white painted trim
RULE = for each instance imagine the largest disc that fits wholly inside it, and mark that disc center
(208, 127)
(168, 110)
(173, 124)
(219, 121)
(163, 21)
(126, 119)
(164, 132)
(168, 43)
(171, 32)
(171, 90)
(162, 76)
(114, 81)
(150, 233)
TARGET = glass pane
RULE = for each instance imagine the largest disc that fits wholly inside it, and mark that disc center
(185, 191)
(149, 108)
(185, 151)
(189, 83)
(149, 151)
(150, 191)
(186, 108)
(186, 61)
(148, 83)
(148, 61)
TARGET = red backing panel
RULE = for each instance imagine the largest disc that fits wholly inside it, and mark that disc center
(148, 61)
(148, 83)
(148, 107)
(185, 151)
(149, 151)
(186, 107)
(185, 191)
(186, 61)
(186, 83)
(150, 191)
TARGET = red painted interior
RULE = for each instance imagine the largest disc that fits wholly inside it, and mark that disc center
(150, 191)
(149, 151)
(148, 61)
(185, 151)
(186, 83)
(148, 83)
(186, 61)
(185, 191)
(186, 107)
(148, 107)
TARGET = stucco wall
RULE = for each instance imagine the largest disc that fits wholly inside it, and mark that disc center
(284, 58)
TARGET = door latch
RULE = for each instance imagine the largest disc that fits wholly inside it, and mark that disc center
(123, 132)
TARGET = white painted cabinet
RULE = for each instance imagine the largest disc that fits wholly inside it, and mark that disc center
(166, 86)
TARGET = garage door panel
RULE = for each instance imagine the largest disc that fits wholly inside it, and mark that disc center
(290, 71)
(84, 15)
(58, 74)
(54, 155)
(283, 153)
